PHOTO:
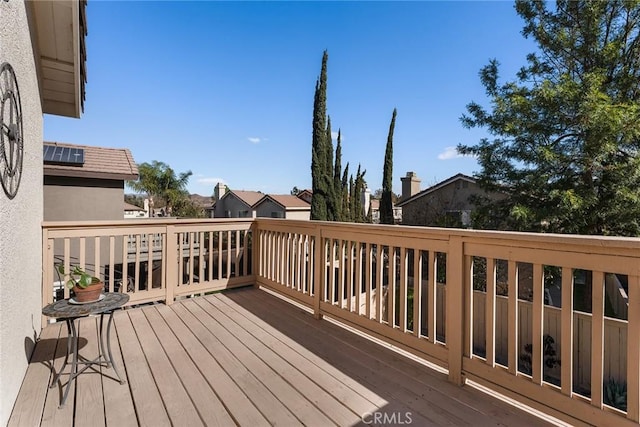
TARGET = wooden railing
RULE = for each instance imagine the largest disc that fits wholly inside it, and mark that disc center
(480, 309)
(476, 303)
(152, 260)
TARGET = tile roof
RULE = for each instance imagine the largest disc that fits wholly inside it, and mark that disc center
(130, 207)
(436, 187)
(99, 162)
(288, 201)
(249, 197)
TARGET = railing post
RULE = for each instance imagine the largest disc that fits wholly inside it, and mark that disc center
(173, 258)
(455, 308)
(319, 271)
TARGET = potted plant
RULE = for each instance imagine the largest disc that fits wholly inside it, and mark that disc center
(87, 288)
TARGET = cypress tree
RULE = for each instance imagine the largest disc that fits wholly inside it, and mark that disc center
(328, 174)
(337, 181)
(318, 144)
(386, 203)
(352, 199)
(359, 214)
(344, 190)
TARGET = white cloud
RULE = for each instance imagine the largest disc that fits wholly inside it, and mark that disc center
(254, 140)
(334, 135)
(210, 181)
(450, 153)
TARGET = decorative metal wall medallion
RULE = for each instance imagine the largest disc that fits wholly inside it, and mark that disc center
(11, 133)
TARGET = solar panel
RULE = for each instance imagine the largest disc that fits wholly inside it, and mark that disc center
(54, 154)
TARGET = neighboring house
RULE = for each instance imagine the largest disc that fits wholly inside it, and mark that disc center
(133, 211)
(305, 195)
(42, 70)
(282, 206)
(236, 204)
(93, 180)
(446, 203)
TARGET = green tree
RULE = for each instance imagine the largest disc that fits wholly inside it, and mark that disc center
(386, 202)
(161, 183)
(346, 211)
(337, 181)
(565, 134)
(319, 159)
(330, 195)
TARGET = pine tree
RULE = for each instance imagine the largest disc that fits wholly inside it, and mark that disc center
(318, 146)
(565, 146)
(386, 203)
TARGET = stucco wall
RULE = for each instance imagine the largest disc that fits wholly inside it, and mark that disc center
(79, 199)
(233, 204)
(428, 209)
(267, 208)
(20, 218)
(302, 215)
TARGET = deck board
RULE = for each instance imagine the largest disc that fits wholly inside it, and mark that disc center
(248, 358)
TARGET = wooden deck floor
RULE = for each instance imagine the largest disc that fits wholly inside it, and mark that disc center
(248, 358)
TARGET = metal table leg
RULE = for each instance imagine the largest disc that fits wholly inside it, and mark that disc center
(104, 354)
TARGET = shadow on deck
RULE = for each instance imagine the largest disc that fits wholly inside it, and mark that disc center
(246, 357)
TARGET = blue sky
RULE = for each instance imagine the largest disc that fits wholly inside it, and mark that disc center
(225, 89)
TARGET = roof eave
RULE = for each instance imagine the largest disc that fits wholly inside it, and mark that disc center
(84, 174)
(59, 47)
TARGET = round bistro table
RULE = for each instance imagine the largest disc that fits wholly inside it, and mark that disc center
(68, 311)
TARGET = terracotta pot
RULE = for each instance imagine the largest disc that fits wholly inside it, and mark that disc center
(88, 294)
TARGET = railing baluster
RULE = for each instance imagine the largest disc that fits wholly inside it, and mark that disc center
(513, 317)
(150, 251)
(537, 326)
(368, 265)
(490, 313)
(417, 292)
(349, 279)
(112, 261)
(567, 332)
(633, 350)
(359, 274)
(391, 287)
(432, 296)
(379, 274)
(96, 258)
(402, 324)
(597, 337)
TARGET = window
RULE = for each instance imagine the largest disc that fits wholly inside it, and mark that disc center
(277, 214)
(243, 214)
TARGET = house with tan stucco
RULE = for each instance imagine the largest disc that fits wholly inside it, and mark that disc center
(448, 203)
(96, 182)
(282, 206)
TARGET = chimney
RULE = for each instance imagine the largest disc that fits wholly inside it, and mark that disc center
(410, 185)
(219, 190)
(146, 207)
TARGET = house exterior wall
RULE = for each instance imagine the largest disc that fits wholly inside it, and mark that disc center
(82, 199)
(21, 217)
(232, 204)
(430, 209)
(301, 215)
(268, 208)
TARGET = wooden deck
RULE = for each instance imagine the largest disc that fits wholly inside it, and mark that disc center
(245, 357)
